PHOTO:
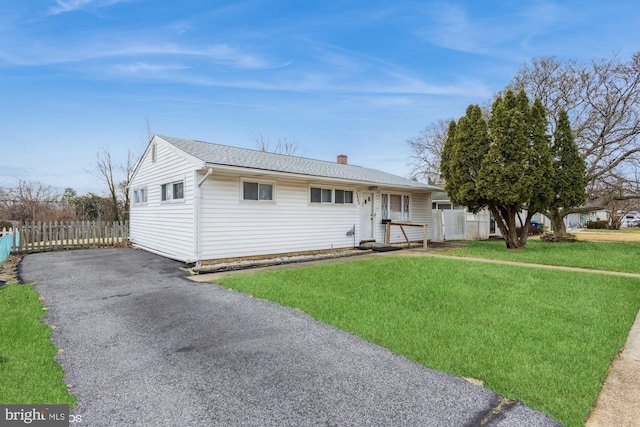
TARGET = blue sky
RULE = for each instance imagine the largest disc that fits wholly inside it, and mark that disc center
(338, 77)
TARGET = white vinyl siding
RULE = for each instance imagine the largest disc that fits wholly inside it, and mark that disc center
(159, 226)
(233, 228)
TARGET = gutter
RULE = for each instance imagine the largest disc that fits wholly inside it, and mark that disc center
(197, 208)
(316, 178)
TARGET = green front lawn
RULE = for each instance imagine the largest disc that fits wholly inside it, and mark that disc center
(28, 372)
(545, 337)
(610, 256)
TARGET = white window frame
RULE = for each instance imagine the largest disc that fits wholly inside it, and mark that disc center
(140, 196)
(405, 206)
(259, 183)
(170, 195)
(323, 191)
(326, 191)
(344, 193)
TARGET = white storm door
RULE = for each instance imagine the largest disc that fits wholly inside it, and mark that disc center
(366, 216)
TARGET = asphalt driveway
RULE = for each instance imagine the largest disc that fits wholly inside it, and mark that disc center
(143, 346)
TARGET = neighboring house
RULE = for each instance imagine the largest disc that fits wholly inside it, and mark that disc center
(440, 200)
(195, 201)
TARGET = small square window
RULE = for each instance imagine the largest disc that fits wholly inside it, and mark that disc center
(140, 196)
(326, 195)
(250, 190)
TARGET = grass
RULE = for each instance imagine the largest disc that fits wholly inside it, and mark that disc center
(610, 256)
(28, 372)
(545, 337)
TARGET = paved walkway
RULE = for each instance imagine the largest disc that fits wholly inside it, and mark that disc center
(618, 403)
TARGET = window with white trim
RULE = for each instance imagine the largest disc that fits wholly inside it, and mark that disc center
(395, 207)
(259, 191)
(321, 195)
(172, 191)
(329, 195)
(140, 196)
(343, 196)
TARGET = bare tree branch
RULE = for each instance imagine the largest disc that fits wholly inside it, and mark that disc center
(426, 152)
(286, 146)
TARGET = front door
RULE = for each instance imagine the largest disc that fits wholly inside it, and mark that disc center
(366, 217)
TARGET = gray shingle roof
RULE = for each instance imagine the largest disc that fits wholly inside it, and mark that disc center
(216, 154)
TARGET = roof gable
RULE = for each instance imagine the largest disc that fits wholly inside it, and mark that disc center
(216, 154)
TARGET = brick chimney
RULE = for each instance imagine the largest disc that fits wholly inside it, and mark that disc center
(342, 159)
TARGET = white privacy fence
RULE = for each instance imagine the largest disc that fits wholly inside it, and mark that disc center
(456, 224)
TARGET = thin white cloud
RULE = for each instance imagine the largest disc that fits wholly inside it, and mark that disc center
(146, 68)
(328, 83)
(234, 57)
(452, 27)
(64, 6)
(343, 70)
(39, 55)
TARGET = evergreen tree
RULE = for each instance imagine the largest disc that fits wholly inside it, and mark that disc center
(505, 165)
(466, 143)
(542, 162)
(569, 180)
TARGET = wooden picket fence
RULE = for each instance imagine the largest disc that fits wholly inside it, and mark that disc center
(56, 236)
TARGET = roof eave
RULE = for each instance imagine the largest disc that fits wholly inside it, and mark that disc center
(309, 177)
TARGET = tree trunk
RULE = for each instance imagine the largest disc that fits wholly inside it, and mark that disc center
(557, 221)
(506, 222)
(512, 240)
(524, 230)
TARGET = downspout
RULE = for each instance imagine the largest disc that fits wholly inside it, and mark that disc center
(204, 178)
(198, 228)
